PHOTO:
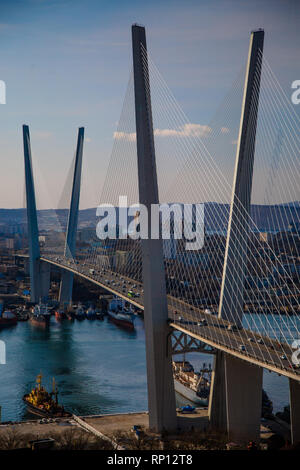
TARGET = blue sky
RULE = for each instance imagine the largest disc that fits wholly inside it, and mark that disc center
(66, 64)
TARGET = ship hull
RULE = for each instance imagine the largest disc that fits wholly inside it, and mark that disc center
(44, 413)
(41, 322)
(121, 321)
(189, 394)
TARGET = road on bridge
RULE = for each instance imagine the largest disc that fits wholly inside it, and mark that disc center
(208, 328)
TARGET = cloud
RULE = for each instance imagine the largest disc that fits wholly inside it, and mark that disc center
(225, 130)
(187, 130)
(129, 136)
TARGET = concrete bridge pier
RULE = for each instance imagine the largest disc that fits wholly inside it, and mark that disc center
(44, 272)
(236, 398)
(295, 410)
(66, 287)
(217, 400)
(243, 399)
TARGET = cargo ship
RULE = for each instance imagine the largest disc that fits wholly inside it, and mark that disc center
(40, 315)
(194, 386)
(42, 403)
(7, 319)
(120, 315)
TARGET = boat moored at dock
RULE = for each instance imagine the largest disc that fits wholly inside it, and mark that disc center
(194, 386)
(7, 319)
(119, 314)
(42, 403)
(40, 315)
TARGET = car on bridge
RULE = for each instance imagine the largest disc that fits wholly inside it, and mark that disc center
(233, 327)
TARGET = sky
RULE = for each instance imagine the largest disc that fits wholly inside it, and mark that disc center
(66, 64)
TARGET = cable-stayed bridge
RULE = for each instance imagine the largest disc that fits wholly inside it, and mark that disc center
(237, 295)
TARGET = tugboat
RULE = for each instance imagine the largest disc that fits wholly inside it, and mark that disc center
(40, 315)
(7, 319)
(42, 403)
(120, 315)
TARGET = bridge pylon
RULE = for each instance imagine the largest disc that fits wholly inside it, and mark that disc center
(66, 284)
(39, 271)
(161, 393)
(230, 411)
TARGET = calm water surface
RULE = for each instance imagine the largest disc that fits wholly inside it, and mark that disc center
(99, 367)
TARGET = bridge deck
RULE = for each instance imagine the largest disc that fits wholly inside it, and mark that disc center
(185, 318)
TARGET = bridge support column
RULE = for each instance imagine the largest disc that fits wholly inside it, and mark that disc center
(44, 271)
(235, 260)
(33, 233)
(26, 266)
(217, 410)
(161, 394)
(66, 284)
(66, 287)
(243, 399)
(295, 410)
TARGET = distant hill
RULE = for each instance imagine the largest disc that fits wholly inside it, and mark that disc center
(265, 217)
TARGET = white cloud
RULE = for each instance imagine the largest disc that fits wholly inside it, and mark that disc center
(225, 130)
(187, 130)
(129, 136)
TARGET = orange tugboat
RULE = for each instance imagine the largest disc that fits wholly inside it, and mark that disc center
(42, 403)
